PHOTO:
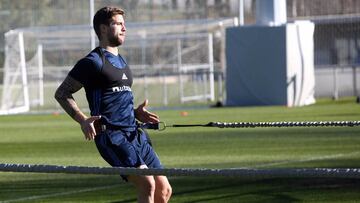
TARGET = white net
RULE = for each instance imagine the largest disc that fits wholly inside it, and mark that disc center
(172, 62)
(34, 68)
(186, 69)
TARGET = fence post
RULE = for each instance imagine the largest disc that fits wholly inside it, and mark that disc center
(336, 91)
(356, 93)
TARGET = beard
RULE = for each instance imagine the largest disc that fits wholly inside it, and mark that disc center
(115, 40)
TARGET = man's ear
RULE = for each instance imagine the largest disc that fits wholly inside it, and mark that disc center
(103, 29)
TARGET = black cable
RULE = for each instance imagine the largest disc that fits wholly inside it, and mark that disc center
(163, 126)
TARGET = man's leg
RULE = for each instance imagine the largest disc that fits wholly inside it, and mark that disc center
(145, 186)
(163, 189)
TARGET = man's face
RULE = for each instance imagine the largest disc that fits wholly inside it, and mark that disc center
(116, 31)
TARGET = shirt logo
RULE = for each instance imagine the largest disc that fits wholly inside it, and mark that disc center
(124, 77)
(121, 88)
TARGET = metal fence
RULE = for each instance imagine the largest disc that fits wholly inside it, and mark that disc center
(336, 37)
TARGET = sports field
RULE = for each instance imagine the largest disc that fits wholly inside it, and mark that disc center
(57, 140)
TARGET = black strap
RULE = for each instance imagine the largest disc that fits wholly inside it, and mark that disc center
(153, 126)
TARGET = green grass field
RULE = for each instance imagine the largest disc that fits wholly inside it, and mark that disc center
(57, 140)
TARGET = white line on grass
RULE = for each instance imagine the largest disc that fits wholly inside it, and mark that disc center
(318, 158)
(59, 194)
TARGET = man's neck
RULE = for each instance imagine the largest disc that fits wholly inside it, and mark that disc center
(113, 50)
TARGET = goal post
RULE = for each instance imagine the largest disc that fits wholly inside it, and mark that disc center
(204, 77)
(23, 79)
(15, 94)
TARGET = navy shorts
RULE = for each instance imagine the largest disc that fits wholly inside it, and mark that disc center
(127, 149)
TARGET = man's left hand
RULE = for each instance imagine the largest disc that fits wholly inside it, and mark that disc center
(145, 116)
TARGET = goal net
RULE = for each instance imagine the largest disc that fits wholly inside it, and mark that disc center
(173, 62)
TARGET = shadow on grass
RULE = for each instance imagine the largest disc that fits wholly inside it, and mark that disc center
(228, 190)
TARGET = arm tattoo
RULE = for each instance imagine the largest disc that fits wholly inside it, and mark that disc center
(64, 96)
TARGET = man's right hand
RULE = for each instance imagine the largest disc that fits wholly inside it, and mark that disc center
(87, 127)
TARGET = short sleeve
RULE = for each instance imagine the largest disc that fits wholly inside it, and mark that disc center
(84, 71)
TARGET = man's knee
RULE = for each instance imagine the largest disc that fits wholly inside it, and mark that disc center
(145, 184)
(166, 192)
(163, 192)
(148, 185)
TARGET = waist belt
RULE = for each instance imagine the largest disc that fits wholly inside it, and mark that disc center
(100, 127)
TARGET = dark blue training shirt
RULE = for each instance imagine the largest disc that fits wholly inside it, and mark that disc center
(107, 80)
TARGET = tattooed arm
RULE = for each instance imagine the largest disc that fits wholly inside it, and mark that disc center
(64, 96)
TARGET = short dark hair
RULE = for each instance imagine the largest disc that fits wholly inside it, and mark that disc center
(103, 16)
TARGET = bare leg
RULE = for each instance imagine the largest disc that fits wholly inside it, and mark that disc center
(163, 189)
(145, 186)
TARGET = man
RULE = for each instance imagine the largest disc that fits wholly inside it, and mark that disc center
(107, 81)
